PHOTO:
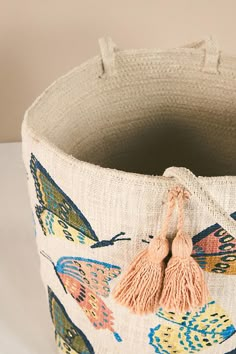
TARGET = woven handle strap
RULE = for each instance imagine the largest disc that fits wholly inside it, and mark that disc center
(185, 177)
(209, 42)
(212, 53)
(108, 52)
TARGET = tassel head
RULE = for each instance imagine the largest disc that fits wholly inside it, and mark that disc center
(182, 245)
(158, 249)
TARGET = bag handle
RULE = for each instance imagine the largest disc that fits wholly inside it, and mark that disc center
(196, 188)
(108, 50)
(212, 53)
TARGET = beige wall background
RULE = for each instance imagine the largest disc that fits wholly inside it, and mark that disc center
(43, 39)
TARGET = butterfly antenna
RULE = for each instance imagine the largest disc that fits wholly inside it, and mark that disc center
(115, 238)
(55, 268)
(145, 241)
(47, 256)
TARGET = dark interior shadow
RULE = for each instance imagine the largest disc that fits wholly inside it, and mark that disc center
(173, 142)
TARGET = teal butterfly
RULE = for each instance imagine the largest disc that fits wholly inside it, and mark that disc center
(59, 216)
(69, 338)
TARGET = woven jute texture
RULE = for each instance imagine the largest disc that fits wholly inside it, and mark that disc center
(102, 146)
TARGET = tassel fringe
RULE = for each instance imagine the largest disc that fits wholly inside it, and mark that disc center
(148, 283)
(141, 286)
(140, 289)
(184, 285)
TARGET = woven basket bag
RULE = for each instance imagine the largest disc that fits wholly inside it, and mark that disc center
(126, 154)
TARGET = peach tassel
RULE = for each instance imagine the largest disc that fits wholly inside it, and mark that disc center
(140, 287)
(184, 286)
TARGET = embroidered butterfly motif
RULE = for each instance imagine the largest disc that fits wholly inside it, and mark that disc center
(69, 338)
(86, 280)
(191, 332)
(59, 216)
(214, 249)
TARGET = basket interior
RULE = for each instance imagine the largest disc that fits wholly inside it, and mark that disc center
(159, 110)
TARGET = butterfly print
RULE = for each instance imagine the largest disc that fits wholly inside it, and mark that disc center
(59, 216)
(192, 332)
(87, 280)
(214, 249)
(69, 338)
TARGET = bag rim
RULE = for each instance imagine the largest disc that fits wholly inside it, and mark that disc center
(125, 176)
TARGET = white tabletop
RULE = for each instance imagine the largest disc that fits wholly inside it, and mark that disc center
(25, 324)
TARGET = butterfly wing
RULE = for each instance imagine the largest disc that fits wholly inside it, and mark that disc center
(165, 340)
(57, 214)
(86, 280)
(193, 331)
(93, 274)
(215, 250)
(69, 338)
(95, 309)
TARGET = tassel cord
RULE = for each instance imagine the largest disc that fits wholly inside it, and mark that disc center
(172, 195)
(183, 195)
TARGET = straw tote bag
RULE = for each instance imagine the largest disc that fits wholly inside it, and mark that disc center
(132, 181)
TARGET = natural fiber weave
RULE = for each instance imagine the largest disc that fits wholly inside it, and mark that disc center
(109, 139)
